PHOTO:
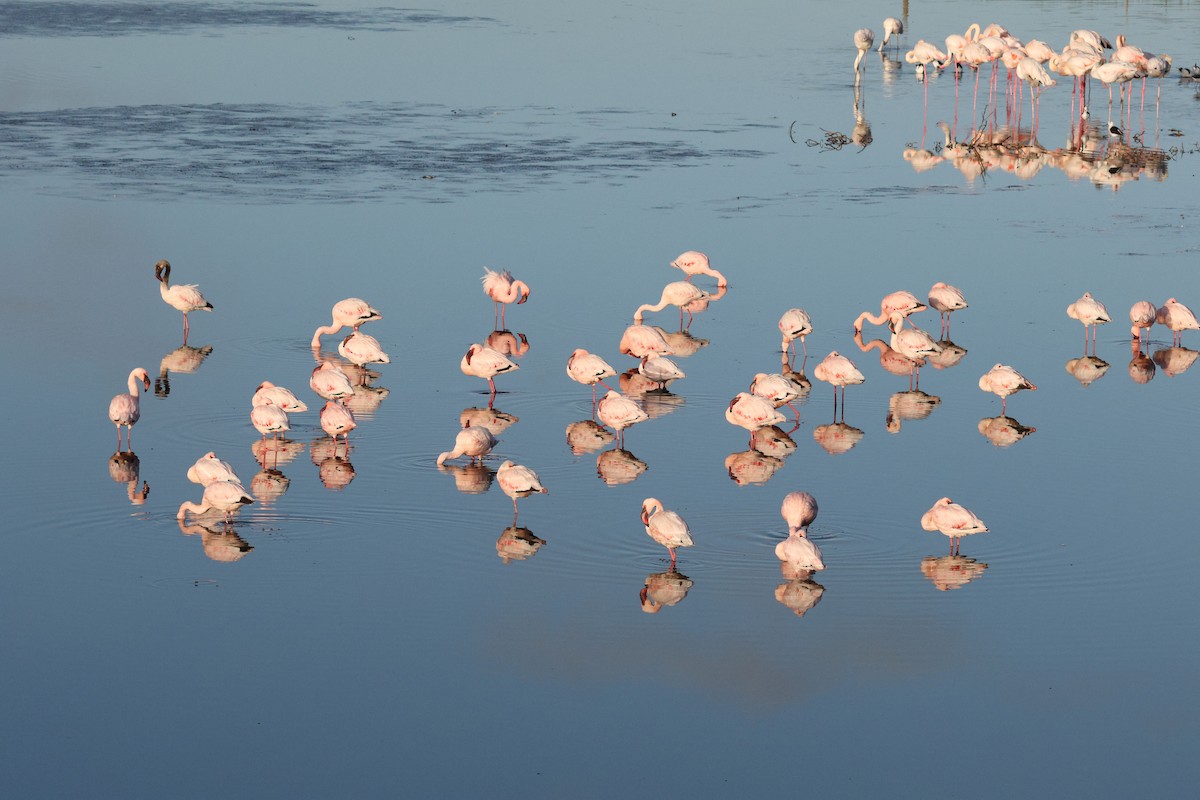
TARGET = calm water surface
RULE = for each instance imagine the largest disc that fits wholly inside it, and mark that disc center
(375, 625)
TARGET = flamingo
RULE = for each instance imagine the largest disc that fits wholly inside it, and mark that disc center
(795, 324)
(268, 393)
(778, 389)
(1032, 72)
(269, 419)
(863, 39)
(904, 302)
(1110, 72)
(799, 509)
(337, 420)
(840, 371)
(799, 552)
(619, 412)
(224, 496)
(348, 313)
(677, 293)
(946, 299)
(752, 412)
(484, 362)
(1090, 312)
(361, 349)
(695, 263)
(473, 442)
(953, 520)
(589, 369)
(209, 468)
(126, 408)
(330, 382)
(913, 343)
(664, 589)
(181, 297)
(503, 289)
(1143, 314)
(518, 481)
(665, 527)
(643, 340)
(1003, 380)
(660, 369)
(1178, 318)
(891, 25)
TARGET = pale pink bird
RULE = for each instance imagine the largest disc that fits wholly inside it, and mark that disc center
(676, 293)
(695, 263)
(1177, 318)
(224, 496)
(348, 313)
(209, 468)
(660, 369)
(953, 520)
(1143, 314)
(619, 412)
(665, 527)
(473, 442)
(518, 481)
(891, 27)
(777, 389)
(903, 302)
(330, 382)
(181, 297)
(269, 419)
(800, 553)
(503, 289)
(589, 369)
(840, 371)
(126, 408)
(752, 412)
(337, 420)
(643, 340)
(1039, 50)
(1110, 72)
(863, 39)
(1003, 380)
(799, 509)
(795, 324)
(362, 348)
(1090, 312)
(913, 343)
(268, 393)
(946, 299)
(484, 362)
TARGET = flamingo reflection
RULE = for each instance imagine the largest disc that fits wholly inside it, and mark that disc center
(1003, 431)
(125, 467)
(182, 359)
(587, 436)
(470, 478)
(752, 467)
(800, 593)
(517, 544)
(1141, 366)
(1174, 361)
(275, 451)
(493, 419)
(268, 485)
(1087, 370)
(907, 406)
(837, 438)
(219, 540)
(951, 572)
(772, 441)
(663, 589)
(617, 467)
(513, 345)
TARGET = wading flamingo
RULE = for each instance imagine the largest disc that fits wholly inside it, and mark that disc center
(660, 369)
(1090, 312)
(677, 293)
(473, 442)
(695, 263)
(795, 324)
(643, 340)
(953, 520)
(484, 362)
(268, 393)
(1177, 318)
(863, 39)
(891, 26)
(126, 408)
(777, 389)
(752, 412)
(1143, 314)
(348, 313)
(503, 289)
(946, 299)
(337, 420)
(269, 419)
(840, 371)
(589, 369)
(1003, 380)
(904, 302)
(619, 412)
(330, 382)
(181, 297)
(665, 527)
(224, 496)
(209, 468)
(362, 348)
(518, 481)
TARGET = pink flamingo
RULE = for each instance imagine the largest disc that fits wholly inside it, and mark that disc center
(619, 412)
(126, 408)
(660, 369)
(330, 382)
(799, 509)
(953, 520)
(484, 362)
(1178, 318)
(913, 343)
(268, 393)
(903, 302)
(677, 293)
(503, 289)
(362, 348)
(696, 263)
(752, 412)
(518, 481)
(181, 297)
(840, 371)
(777, 389)
(473, 442)
(269, 419)
(946, 299)
(589, 369)
(795, 324)
(348, 313)
(1143, 314)
(643, 340)
(224, 496)
(337, 420)
(1090, 312)
(1003, 380)
(209, 468)
(665, 527)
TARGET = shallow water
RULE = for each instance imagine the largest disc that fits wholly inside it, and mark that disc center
(376, 624)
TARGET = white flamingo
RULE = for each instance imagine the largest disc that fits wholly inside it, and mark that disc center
(181, 297)
(589, 369)
(361, 348)
(269, 419)
(348, 313)
(1142, 314)
(224, 496)
(518, 481)
(863, 39)
(330, 382)
(891, 26)
(839, 371)
(1090, 312)
(946, 299)
(1003, 380)
(619, 412)
(1177, 318)
(126, 408)
(953, 520)
(665, 527)
(752, 412)
(644, 340)
(473, 442)
(660, 369)
(503, 289)
(209, 468)
(904, 302)
(268, 394)
(795, 324)
(337, 420)
(696, 263)
(676, 293)
(484, 362)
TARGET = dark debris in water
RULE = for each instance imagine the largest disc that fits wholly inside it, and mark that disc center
(833, 140)
(29, 18)
(347, 153)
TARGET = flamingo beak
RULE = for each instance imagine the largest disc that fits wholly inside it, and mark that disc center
(645, 517)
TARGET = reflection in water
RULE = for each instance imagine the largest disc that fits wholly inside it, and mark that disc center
(366, 400)
(800, 594)
(906, 406)
(663, 589)
(587, 436)
(771, 441)
(508, 343)
(861, 133)
(751, 467)
(269, 485)
(701, 304)
(493, 419)
(837, 438)
(125, 467)
(657, 404)
(470, 478)
(1175, 360)
(1141, 366)
(275, 451)
(681, 343)
(951, 572)
(517, 544)
(183, 359)
(335, 471)
(1087, 370)
(220, 540)
(950, 356)
(616, 467)
(891, 360)
(1003, 431)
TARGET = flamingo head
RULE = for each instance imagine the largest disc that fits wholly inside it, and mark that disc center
(162, 270)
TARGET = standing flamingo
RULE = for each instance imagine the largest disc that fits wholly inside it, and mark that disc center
(891, 26)
(778, 389)
(484, 362)
(361, 349)
(913, 343)
(589, 369)
(840, 371)
(752, 412)
(126, 408)
(665, 527)
(181, 297)
(518, 481)
(643, 340)
(619, 412)
(795, 324)
(475, 442)
(946, 299)
(799, 509)
(904, 302)
(348, 313)
(1143, 314)
(953, 520)
(863, 39)
(269, 419)
(337, 420)
(330, 382)
(695, 263)
(1003, 380)
(268, 393)
(209, 468)
(677, 293)
(660, 369)
(503, 289)
(224, 496)
(1177, 318)
(1090, 312)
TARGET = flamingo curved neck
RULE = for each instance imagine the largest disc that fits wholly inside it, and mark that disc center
(333, 327)
(187, 506)
(869, 317)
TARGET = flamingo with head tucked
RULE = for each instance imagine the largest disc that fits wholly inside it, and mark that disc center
(1003, 380)
(126, 408)
(484, 362)
(1091, 313)
(953, 520)
(1177, 318)
(348, 313)
(518, 481)
(838, 370)
(946, 299)
(589, 369)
